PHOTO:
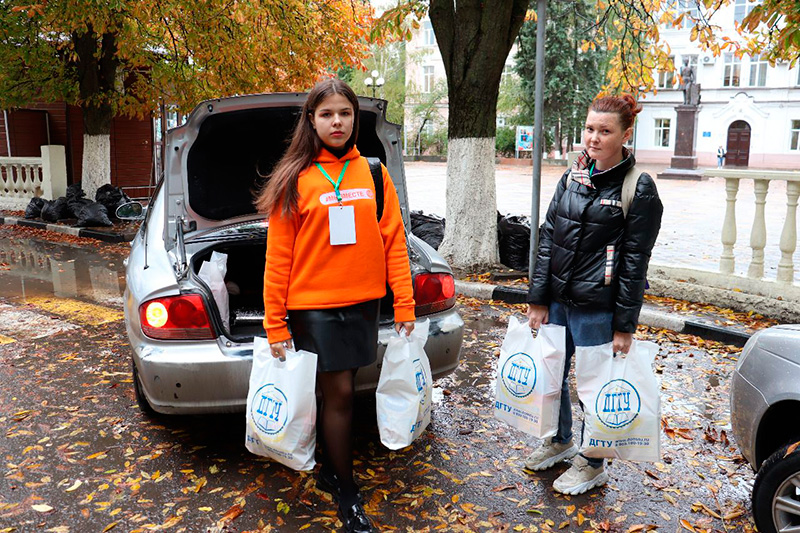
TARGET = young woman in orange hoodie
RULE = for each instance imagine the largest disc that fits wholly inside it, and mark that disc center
(329, 259)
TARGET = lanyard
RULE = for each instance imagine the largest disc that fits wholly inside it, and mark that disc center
(335, 183)
(591, 169)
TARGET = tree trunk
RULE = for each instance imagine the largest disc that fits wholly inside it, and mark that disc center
(474, 38)
(97, 69)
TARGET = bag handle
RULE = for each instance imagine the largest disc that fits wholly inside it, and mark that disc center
(629, 188)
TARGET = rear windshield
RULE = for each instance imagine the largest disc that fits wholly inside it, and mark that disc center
(235, 149)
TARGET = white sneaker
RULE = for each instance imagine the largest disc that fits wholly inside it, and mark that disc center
(550, 453)
(580, 477)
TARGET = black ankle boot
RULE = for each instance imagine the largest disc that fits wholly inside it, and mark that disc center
(354, 519)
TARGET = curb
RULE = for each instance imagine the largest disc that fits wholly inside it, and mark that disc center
(649, 316)
(100, 235)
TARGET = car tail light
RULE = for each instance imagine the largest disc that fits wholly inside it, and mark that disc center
(183, 317)
(434, 293)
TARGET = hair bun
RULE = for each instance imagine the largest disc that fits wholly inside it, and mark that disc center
(636, 108)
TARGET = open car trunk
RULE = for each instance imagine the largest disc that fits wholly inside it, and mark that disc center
(245, 283)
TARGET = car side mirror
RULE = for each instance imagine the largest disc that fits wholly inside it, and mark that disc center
(130, 211)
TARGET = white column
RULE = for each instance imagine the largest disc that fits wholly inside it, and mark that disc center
(54, 172)
(758, 234)
(789, 234)
(726, 260)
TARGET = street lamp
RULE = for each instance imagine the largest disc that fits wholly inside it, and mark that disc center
(375, 81)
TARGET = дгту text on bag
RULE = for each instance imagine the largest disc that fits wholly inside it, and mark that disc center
(529, 376)
(405, 387)
(282, 406)
(622, 416)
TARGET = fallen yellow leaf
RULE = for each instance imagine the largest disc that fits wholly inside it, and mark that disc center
(42, 508)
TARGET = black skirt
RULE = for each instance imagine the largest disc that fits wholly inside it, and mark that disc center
(344, 338)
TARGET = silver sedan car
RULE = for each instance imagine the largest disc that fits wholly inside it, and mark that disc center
(765, 417)
(186, 359)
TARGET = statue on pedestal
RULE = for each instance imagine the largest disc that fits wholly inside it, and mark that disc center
(690, 95)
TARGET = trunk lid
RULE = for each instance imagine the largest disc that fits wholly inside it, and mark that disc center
(218, 159)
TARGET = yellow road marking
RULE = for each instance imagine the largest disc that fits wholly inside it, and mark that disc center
(6, 340)
(77, 311)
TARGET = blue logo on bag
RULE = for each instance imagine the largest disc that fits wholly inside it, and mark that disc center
(419, 378)
(618, 403)
(269, 409)
(519, 374)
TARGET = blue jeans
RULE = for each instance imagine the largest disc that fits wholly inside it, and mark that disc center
(585, 327)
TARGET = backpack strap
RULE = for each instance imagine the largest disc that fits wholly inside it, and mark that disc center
(377, 180)
(629, 188)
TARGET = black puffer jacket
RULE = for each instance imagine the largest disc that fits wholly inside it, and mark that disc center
(591, 255)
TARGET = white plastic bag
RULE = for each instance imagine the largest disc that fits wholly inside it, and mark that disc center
(622, 417)
(405, 387)
(530, 372)
(282, 406)
(213, 272)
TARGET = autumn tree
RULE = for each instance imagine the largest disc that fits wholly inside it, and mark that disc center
(119, 57)
(573, 77)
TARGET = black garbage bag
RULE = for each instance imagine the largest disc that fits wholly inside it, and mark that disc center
(34, 209)
(75, 191)
(514, 236)
(93, 214)
(75, 204)
(111, 197)
(429, 228)
(55, 210)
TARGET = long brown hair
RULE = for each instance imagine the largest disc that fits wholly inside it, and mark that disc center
(280, 190)
(626, 107)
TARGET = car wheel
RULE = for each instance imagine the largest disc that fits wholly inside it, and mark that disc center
(138, 392)
(776, 492)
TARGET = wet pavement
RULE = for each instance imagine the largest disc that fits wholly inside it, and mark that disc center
(691, 229)
(78, 455)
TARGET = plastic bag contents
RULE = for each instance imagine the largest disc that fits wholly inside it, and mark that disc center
(282, 406)
(34, 209)
(622, 404)
(429, 228)
(514, 239)
(93, 214)
(111, 197)
(55, 210)
(530, 372)
(212, 272)
(403, 398)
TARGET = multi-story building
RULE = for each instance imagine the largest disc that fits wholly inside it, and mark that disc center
(750, 108)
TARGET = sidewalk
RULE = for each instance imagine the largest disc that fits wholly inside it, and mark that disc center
(712, 326)
(119, 232)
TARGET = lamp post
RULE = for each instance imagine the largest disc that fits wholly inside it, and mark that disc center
(375, 81)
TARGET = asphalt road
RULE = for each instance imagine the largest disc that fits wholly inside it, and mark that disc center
(78, 455)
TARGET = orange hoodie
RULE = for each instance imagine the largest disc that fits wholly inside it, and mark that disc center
(304, 271)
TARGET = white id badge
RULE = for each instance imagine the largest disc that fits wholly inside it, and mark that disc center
(342, 222)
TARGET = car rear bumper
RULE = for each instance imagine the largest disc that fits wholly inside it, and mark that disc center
(213, 376)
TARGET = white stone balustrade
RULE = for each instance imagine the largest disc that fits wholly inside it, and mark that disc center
(22, 178)
(758, 234)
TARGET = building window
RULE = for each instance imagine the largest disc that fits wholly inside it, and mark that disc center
(795, 135)
(758, 71)
(427, 79)
(428, 37)
(743, 8)
(692, 62)
(733, 66)
(666, 78)
(662, 132)
(429, 128)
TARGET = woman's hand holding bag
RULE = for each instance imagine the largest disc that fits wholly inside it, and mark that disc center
(405, 386)
(282, 406)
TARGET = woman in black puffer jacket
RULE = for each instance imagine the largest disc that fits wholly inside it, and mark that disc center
(591, 267)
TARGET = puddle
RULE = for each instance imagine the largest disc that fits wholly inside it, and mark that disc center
(40, 269)
(482, 324)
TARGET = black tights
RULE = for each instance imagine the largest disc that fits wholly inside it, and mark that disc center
(338, 389)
